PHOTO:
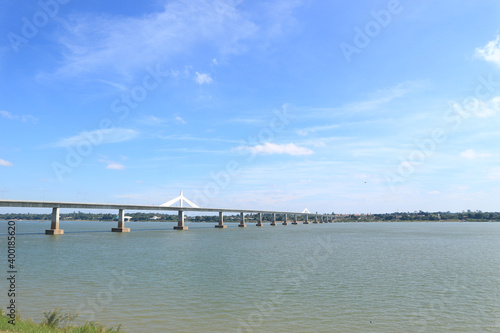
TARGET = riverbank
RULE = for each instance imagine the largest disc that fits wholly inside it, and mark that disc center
(55, 321)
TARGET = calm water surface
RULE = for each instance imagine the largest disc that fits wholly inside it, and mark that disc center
(352, 277)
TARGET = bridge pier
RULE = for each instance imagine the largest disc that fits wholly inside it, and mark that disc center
(221, 224)
(180, 222)
(121, 222)
(242, 220)
(285, 220)
(259, 223)
(306, 219)
(54, 225)
(295, 219)
(315, 219)
(274, 220)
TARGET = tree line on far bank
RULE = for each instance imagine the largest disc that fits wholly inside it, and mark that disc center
(149, 217)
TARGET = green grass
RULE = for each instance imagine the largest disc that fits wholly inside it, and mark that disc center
(56, 321)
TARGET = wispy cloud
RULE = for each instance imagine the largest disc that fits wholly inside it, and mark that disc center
(97, 137)
(28, 117)
(5, 163)
(24, 118)
(180, 120)
(490, 52)
(112, 165)
(494, 174)
(114, 84)
(279, 15)
(384, 96)
(203, 78)
(152, 120)
(273, 149)
(115, 166)
(471, 154)
(488, 108)
(376, 101)
(7, 114)
(122, 44)
(309, 130)
(480, 109)
(192, 138)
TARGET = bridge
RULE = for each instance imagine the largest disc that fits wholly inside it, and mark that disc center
(56, 206)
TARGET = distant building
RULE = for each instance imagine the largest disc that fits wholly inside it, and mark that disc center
(125, 218)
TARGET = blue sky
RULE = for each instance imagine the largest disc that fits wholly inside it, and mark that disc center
(350, 107)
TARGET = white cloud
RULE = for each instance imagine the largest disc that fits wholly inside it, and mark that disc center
(152, 121)
(111, 164)
(471, 154)
(191, 138)
(203, 78)
(490, 52)
(115, 166)
(122, 45)
(485, 110)
(384, 96)
(494, 174)
(98, 137)
(488, 108)
(273, 149)
(180, 120)
(318, 143)
(480, 109)
(380, 100)
(5, 163)
(114, 84)
(28, 117)
(6, 114)
(24, 118)
(307, 131)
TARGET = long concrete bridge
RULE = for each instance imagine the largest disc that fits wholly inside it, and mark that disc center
(56, 206)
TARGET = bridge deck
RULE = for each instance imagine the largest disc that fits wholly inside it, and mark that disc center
(56, 206)
(81, 205)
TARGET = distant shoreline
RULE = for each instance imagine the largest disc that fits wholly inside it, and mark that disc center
(416, 216)
(251, 220)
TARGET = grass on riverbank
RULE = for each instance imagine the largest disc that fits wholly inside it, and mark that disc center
(56, 321)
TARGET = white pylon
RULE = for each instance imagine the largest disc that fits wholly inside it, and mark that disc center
(182, 199)
(306, 211)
